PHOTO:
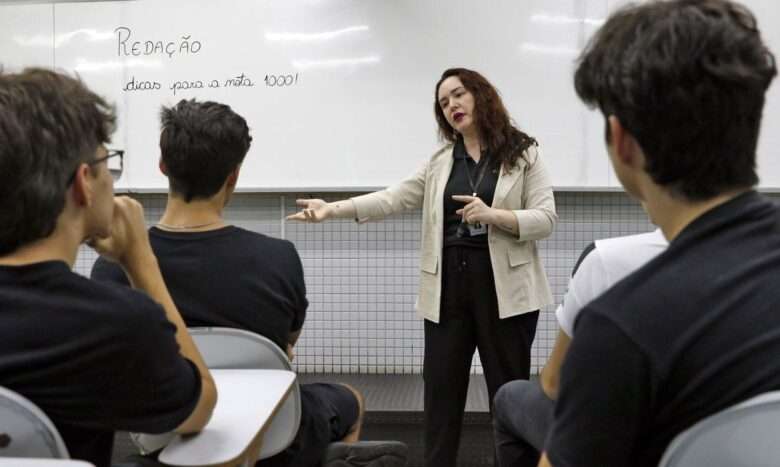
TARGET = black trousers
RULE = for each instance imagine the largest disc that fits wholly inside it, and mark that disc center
(468, 320)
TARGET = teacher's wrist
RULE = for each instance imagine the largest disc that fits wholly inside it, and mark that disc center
(343, 209)
(507, 221)
(494, 216)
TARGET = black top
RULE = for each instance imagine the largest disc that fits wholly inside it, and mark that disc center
(695, 330)
(458, 184)
(94, 357)
(228, 277)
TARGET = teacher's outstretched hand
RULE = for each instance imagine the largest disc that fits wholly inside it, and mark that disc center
(313, 210)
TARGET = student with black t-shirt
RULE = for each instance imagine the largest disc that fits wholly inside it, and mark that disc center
(223, 275)
(95, 358)
(697, 329)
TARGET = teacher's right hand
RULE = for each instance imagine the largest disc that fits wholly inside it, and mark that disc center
(314, 210)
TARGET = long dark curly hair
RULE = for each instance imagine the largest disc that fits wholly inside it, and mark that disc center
(503, 140)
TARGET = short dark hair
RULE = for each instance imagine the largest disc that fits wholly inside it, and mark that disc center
(200, 144)
(687, 79)
(503, 139)
(49, 124)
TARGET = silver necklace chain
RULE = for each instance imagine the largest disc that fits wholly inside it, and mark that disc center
(187, 227)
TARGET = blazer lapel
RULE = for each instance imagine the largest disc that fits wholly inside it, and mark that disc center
(506, 180)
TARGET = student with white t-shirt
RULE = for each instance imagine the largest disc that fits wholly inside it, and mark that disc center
(523, 410)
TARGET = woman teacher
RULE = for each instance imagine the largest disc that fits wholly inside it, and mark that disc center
(486, 199)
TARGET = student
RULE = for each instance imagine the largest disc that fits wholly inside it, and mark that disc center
(223, 275)
(95, 358)
(523, 409)
(486, 199)
(681, 85)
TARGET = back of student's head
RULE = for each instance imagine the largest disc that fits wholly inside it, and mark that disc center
(201, 144)
(49, 124)
(687, 79)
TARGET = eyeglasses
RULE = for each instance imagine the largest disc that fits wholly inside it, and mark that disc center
(114, 158)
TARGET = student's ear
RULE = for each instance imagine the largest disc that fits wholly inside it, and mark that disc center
(624, 146)
(232, 179)
(163, 167)
(82, 186)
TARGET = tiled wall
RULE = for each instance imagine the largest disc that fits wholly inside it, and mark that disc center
(362, 279)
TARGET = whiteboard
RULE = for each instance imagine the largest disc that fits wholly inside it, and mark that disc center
(338, 93)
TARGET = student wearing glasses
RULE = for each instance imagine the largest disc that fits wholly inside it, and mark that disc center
(486, 199)
(96, 358)
(114, 160)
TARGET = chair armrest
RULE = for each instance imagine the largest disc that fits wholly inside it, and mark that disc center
(248, 400)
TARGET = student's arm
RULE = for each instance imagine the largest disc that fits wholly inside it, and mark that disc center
(301, 303)
(129, 246)
(291, 344)
(583, 287)
(294, 337)
(551, 373)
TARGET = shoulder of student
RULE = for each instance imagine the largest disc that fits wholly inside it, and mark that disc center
(123, 310)
(623, 255)
(266, 244)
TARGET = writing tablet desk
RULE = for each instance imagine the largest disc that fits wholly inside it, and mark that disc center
(247, 401)
(29, 462)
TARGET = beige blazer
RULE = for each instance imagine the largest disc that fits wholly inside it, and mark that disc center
(521, 284)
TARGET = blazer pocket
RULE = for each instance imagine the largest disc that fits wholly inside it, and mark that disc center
(519, 256)
(429, 264)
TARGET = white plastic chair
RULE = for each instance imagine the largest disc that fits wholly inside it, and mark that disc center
(744, 435)
(228, 348)
(25, 431)
(34, 462)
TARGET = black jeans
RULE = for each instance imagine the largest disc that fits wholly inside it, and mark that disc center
(468, 320)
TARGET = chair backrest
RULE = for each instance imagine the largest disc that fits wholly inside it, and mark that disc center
(239, 349)
(745, 435)
(25, 431)
(228, 348)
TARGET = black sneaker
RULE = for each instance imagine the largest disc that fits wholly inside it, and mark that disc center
(366, 454)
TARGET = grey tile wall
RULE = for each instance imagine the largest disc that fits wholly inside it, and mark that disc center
(362, 279)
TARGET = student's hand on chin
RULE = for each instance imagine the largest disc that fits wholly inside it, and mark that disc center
(128, 236)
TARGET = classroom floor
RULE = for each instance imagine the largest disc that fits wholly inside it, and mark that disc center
(394, 411)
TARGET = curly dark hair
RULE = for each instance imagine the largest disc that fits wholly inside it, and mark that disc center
(687, 79)
(503, 140)
(49, 124)
(201, 144)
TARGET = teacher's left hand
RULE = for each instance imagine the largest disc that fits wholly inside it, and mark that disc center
(475, 211)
